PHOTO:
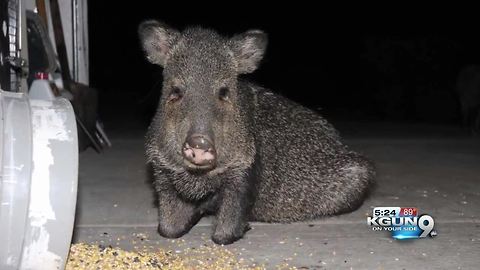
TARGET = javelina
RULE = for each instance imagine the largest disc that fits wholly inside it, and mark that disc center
(223, 146)
(468, 90)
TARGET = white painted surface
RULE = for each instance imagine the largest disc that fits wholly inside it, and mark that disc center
(47, 125)
(38, 181)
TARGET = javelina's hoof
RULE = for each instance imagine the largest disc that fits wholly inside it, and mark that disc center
(225, 239)
(222, 238)
(170, 232)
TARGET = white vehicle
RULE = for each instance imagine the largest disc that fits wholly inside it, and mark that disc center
(38, 143)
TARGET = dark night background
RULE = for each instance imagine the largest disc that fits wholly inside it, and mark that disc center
(351, 65)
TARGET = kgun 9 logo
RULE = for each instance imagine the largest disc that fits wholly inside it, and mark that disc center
(404, 223)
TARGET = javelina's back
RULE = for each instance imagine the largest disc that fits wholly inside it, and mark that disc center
(303, 170)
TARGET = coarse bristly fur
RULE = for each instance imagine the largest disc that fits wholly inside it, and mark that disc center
(277, 161)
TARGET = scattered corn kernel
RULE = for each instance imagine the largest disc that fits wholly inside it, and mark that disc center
(85, 256)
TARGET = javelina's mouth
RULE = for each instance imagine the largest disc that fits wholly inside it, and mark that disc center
(198, 168)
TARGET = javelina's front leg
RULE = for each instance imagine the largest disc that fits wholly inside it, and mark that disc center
(231, 223)
(176, 217)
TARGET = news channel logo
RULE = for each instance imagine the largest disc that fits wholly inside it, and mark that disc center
(402, 222)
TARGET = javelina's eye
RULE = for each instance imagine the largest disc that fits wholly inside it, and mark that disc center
(175, 94)
(223, 93)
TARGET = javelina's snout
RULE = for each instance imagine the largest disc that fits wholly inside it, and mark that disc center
(199, 152)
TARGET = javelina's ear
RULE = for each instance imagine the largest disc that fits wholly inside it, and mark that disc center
(248, 49)
(157, 40)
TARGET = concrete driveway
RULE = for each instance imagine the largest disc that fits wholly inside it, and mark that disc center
(434, 168)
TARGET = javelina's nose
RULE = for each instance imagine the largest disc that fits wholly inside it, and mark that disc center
(199, 152)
